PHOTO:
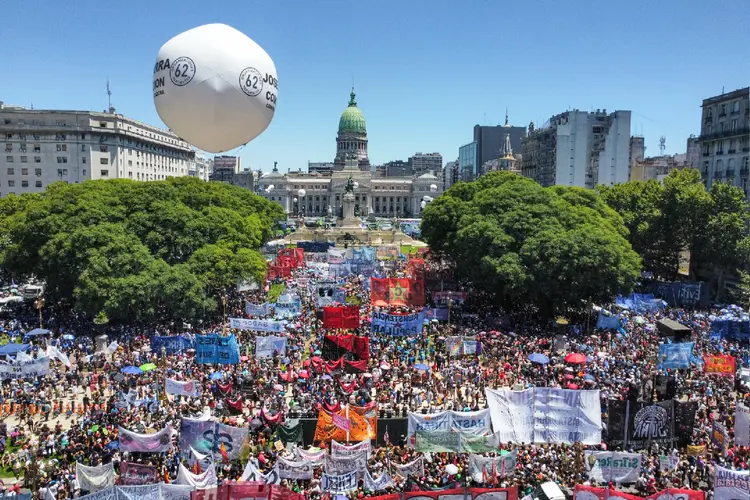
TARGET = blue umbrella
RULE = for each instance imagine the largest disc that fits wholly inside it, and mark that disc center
(132, 370)
(216, 376)
(538, 358)
(421, 366)
(37, 331)
(68, 337)
(589, 377)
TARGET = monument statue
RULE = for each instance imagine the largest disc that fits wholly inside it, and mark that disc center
(349, 188)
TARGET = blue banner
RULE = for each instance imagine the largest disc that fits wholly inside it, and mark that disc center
(675, 356)
(288, 306)
(736, 329)
(440, 314)
(315, 246)
(214, 348)
(206, 436)
(173, 344)
(397, 325)
(607, 322)
(366, 254)
(640, 303)
(257, 309)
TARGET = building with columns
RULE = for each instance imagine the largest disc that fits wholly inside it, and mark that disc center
(317, 194)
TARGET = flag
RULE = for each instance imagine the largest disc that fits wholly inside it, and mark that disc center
(197, 467)
(223, 451)
(485, 476)
(494, 473)
(386, 437)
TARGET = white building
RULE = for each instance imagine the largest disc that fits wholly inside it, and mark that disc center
(577, 148)
(200, 167)
(44, 146)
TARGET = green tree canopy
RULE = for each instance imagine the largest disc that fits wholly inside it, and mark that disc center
(137, 251)
(553, 247)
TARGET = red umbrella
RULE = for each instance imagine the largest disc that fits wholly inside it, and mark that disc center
(572, 386)
(575, 358)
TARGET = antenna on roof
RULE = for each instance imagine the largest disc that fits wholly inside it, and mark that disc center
(109, 97)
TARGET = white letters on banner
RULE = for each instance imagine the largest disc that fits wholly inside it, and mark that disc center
(614, 466)
(731, 484)
(339, 484)
(96, 478)
(492, 466)
(29, 369)
(187, 388)
(741, 425)
(145, 443)
(466, 422)
(546, 415)
(289, 469)
(259, 325)
(339, 450)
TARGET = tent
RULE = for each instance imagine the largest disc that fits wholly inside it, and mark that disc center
(38, 331)
(13, 349)
(674, 330)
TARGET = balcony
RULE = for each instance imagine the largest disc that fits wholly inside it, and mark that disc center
(720, 152)
(730, 174)
(706, 153)
(722, 115)
(746, 150)
(745, 171)
(731, 151)
(719, 174)
(726, 133)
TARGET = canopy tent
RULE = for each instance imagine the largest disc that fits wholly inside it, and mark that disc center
(38, 331)
(674, 330)
(13, 349)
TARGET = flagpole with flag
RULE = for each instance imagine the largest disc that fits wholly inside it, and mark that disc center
(347, 417)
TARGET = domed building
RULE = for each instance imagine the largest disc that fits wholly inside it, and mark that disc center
(351, 140)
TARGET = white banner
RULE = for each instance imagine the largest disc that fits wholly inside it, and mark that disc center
(30, 369)
(614, 466)
(258, 325)
(55, 353)
(741, 425)
(467, 422)
(341, 465)
(174, 491)
(145, 443)
(148, 492)
(339, 484)
(252, 473)
(140, 492)
(96, 478)
(340, 450)
(180, 388)
(415, 468)
(731, 484)
(265, 347)
(481, 467)
(315, 457)
(381, 483)
(546, 415)
(289, 469)
(205, 480)
(106, 494)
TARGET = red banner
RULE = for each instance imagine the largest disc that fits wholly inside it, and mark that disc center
(725, 365)
(245, 490)
(436, 495)
(137, 474)
(470, 493)
(341, 317)
(294, 256)
(396, 292)
(586, 492)
(494, 493)
(359, 346)
(678, 493)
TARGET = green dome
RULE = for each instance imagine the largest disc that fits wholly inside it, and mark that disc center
(352, 120)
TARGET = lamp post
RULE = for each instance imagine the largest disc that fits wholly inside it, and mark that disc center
(39, 306)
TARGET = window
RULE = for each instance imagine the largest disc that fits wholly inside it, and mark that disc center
(22, 147)
(24, 159)
(130, 163)
(104, 161)
(62, 147)
(736, 107)
(11, 183)
(734, 125)
(37, 148)
(103, 124)
(38, 172)
(24, 184)
(104, 173)
(7, 121)
(37, 159)
(38, 184)
(9, 159)
(83, 160)
(24, 171)
(104, 149)
(11, 171)
(60, 123)
(723, 111)
(8, 148)
(9, 136)
(62, 172)
(62, 159)
(83, 137)
(83, 148)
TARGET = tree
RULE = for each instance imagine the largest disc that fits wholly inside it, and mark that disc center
(553, 247)
(137, 251)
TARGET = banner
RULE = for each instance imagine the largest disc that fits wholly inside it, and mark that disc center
(492, 493)
(342, 423)
(340, 450)
(135, 474)
(351, 463)
(463, 346)
(341, 317)
(202, 481)
(214, 348)
(180, 388)
(383, 481)
(333, 345)
(138, 492)
(605, 321)
(397, 325)
(475, 423)
(414, 468)
(317, 458)
(342, 483)
(638, 424)
(207, 436)
(288, 306)
(440, 314)
(719, 437)
(483, 467)
(258, 325)
(96, 478)
(257, 309)
(30, 369)
(546, 415)
(145, 443)
(731, 484)
(438, 441)
(725, 365)
(325, 292)
(396, 292)
(251, 473)
(613, 466)
(675, 356)
(289, 469)
(172, 344)
(741, 425)
(265, 347)
(594, 493)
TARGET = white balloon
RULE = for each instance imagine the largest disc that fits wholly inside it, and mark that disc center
(356, 185)
(433, 188)
(423, 204)
(301, 193)
(215, 87)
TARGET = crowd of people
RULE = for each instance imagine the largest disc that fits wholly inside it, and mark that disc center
(72, 414)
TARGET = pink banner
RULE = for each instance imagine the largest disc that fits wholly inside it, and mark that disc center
(342, 423)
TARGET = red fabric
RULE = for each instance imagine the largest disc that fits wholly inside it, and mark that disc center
(207, 494)
(295, 257)
(674, 492)
(396, 292)
(358, 365)
(724, 365)
(391, 496)
(601, 493)
(347, 388)
(341, 317)
(332, 408)
(234, 407)
(239, 490)
(226, 389)
(359, 346)
(275, 271)
(273, 420)
(434, 494)
(282, 493)
(490, 493)
(379, 291)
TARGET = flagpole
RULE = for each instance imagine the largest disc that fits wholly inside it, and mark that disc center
(350, 423)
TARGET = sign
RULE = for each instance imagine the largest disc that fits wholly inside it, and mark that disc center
(341, 422)
(675, 356)
(289, 469)
(172, 344)
(340, 450)
(145, 443)
(29, 369)
(341, 483)
(638, 424)
(214, 348)
(135, 474)
(546, 415)
(257, 309)
(265, 347)
(469, 423)
(725, 365)
(258, 325)
(206, 436)
(613, 466)
(731, 484)
(397, 325)
(741, 425)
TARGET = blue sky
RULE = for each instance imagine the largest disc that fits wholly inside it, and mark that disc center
(425, 71)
